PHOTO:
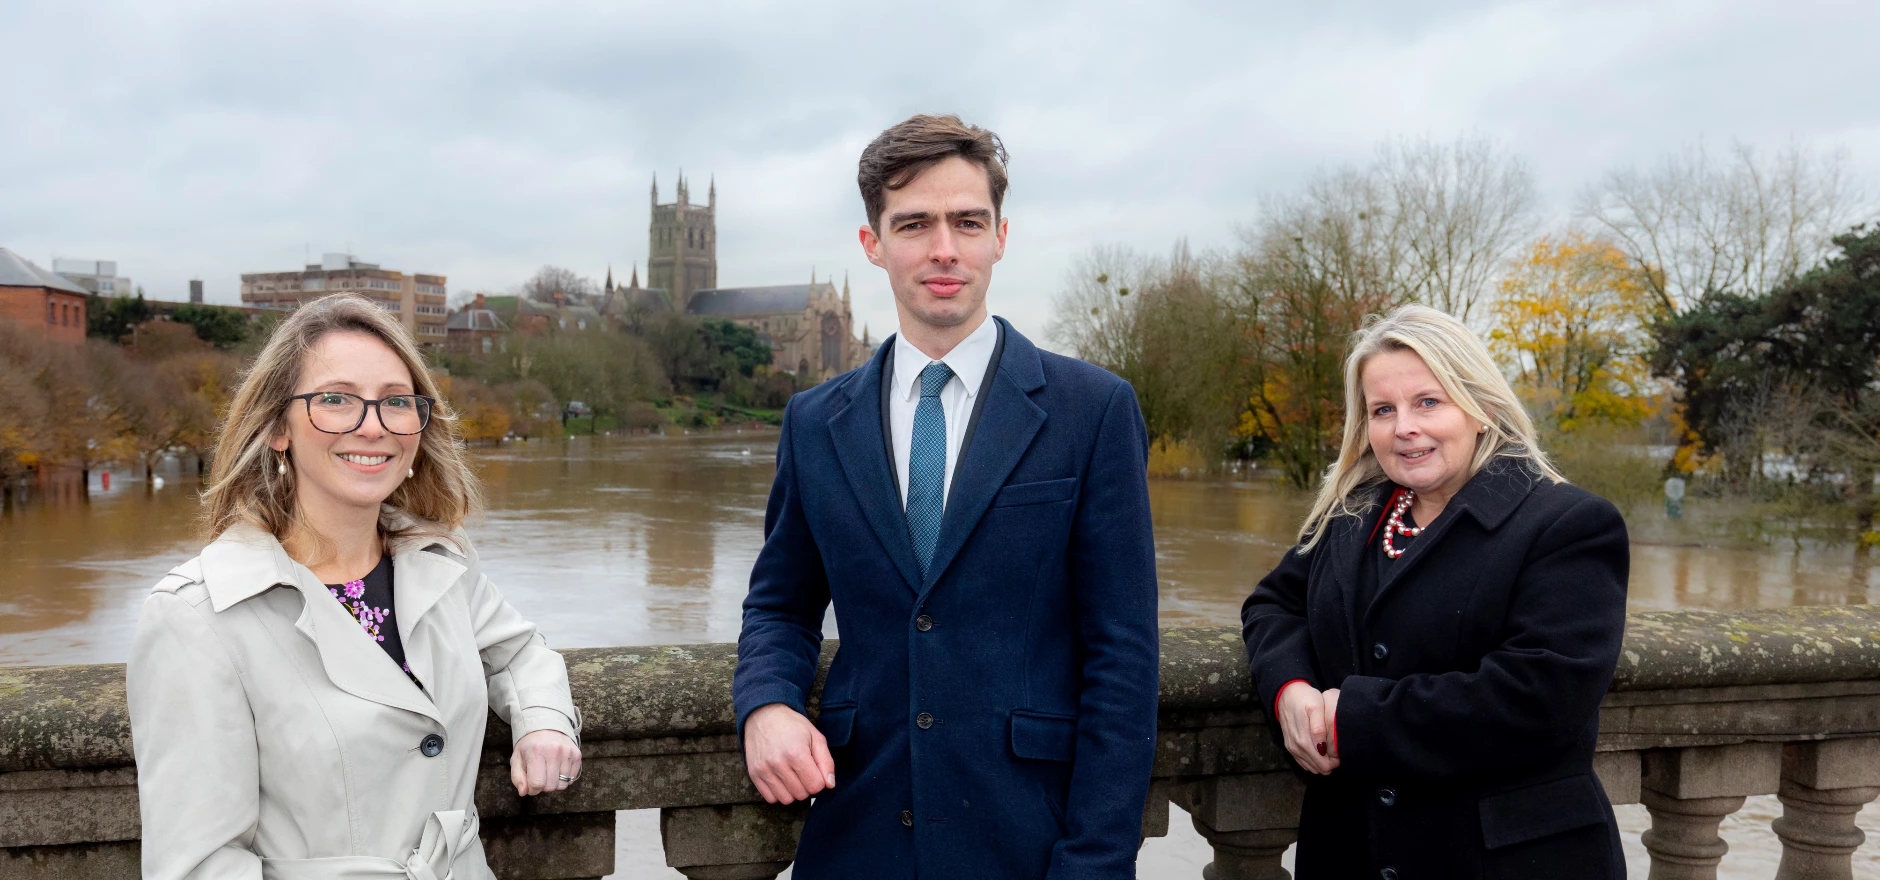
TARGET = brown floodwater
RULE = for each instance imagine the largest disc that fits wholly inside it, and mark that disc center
(649, 540)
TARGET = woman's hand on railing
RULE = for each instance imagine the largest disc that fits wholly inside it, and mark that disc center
(544, 760)
(1306, 723)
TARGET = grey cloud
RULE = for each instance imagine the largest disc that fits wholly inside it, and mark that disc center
(482, 141)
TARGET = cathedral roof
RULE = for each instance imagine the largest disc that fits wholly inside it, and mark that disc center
(625, 299)
(726, 301)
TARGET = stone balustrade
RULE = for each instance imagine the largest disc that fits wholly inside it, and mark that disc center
(1707, 709)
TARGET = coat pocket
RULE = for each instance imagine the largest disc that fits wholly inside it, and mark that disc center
(837, 723)
(1041, 492)
(1044, 736)
(1538, 811)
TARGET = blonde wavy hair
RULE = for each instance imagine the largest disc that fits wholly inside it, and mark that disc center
(1468, 375)
(244, 486)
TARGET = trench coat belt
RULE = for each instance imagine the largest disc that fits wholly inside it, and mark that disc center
(449, 835)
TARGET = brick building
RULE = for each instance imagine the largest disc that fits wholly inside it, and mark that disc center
(419, 300)
(477, 329)
(43, 303)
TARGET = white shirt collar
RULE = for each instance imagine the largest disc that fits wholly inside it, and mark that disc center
(969, 360)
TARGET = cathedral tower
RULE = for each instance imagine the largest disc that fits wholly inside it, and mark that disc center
(682, 245)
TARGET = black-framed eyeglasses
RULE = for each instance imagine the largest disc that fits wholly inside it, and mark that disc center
(337, 412)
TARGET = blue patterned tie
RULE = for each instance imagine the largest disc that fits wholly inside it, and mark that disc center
(927, 465)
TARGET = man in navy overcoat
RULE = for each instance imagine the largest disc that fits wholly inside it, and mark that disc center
(977, 512)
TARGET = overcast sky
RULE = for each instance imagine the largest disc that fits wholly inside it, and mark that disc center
(483, 140)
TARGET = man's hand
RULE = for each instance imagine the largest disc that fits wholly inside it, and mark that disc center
(1304, 720)
(786, 755)
(541, 759)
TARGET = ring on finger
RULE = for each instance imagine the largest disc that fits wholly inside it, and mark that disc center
(564, 778)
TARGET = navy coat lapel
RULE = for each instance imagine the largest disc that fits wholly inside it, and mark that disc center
(887, 423)
(860, 441)
(998, 437)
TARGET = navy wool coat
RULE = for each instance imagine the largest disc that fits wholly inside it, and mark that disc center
(1469, 687)
(995, 719)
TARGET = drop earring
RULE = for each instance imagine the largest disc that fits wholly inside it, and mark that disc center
(282, 467)
(408, 473)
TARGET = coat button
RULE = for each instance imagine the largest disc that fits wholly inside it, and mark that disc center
(431, 746)
(907, 818)
(1380, 650)
(923, 720)
(1387, 874)
(923, 623)
(1387, 796)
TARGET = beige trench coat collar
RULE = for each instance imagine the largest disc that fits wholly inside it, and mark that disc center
(246, 561)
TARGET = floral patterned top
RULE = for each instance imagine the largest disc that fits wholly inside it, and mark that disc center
(369, 600)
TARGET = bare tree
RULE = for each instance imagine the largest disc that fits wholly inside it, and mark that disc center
(1093, 312)
(1463, 209)
(1741, 224)
(1346, 232)
(553, 282)
(1302, 281)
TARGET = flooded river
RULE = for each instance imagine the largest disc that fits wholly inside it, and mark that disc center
(606, 541)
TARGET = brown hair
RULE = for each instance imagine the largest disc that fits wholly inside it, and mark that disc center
(901, 153)
(244, 485)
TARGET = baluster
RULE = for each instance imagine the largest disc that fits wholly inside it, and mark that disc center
(731, 842)
(554, 846)
(1155, 811)
(1248, 819)
(1619, 774)
(1689, 791)
(1824, 785)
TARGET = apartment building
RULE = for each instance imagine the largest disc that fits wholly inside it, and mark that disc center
(98, 276)
(419, 300)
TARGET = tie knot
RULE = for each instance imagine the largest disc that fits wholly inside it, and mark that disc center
(934, 378)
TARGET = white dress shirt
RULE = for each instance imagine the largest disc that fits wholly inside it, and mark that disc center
(969, 361)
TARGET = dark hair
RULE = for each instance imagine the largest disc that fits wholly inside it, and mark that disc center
(901, 153)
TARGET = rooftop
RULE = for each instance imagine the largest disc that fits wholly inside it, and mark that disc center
(755, 300)
(17, 271)
(469, 318)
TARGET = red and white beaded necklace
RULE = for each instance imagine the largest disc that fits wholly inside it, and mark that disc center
(1395, 525)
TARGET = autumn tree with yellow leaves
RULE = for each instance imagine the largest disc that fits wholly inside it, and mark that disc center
(1570, 325)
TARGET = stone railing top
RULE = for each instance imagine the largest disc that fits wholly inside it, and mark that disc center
(656, 690)
(1802, 645)
(74, 717)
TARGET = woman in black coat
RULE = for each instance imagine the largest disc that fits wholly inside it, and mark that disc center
(1435, 649)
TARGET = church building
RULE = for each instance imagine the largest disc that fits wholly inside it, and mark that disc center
(810, 327)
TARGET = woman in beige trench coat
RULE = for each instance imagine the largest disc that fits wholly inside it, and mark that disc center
(276, 734)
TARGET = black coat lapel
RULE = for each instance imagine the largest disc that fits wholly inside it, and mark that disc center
(860, 440)
(1002, 428)
(1489, 496)
(1346, 543)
